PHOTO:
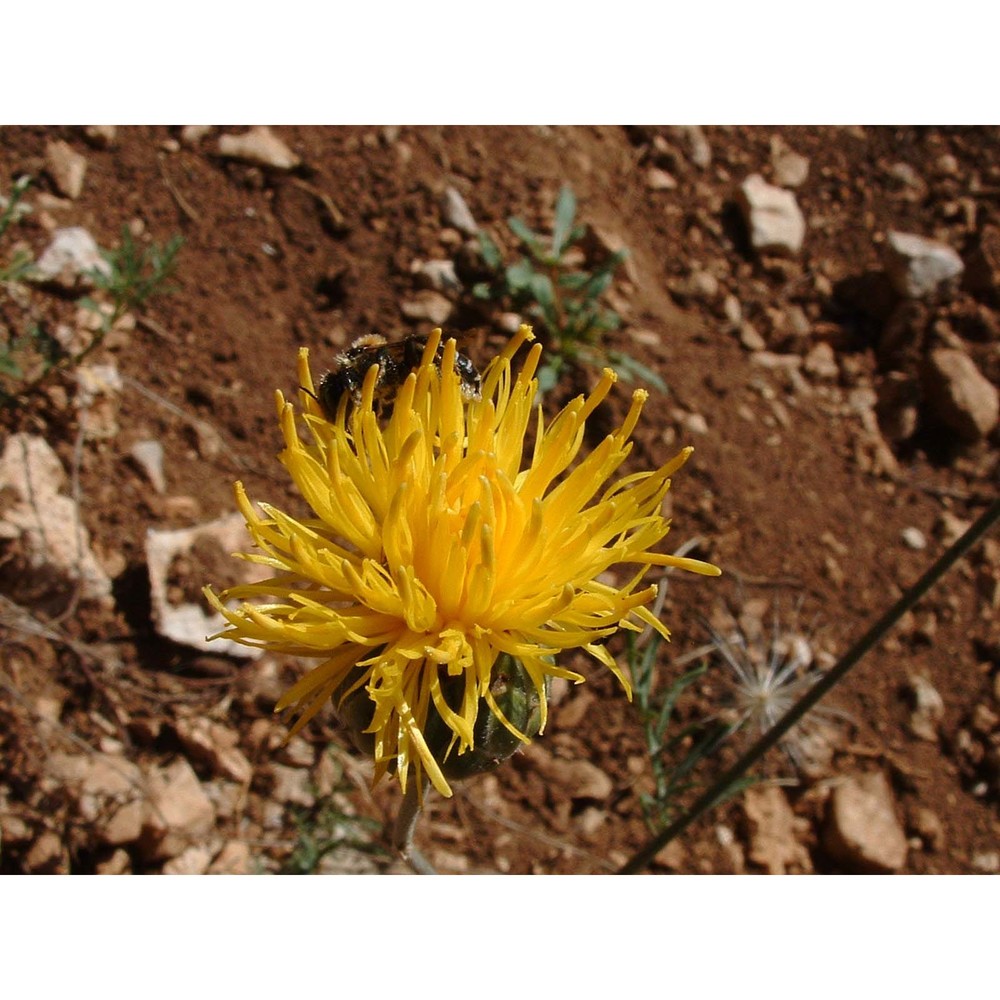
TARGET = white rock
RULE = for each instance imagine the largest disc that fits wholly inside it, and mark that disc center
(102, 136)
(440, 275)
(427, 305)
(66, 167)
(455, 212)
(987, 862)
(700, 285)
(179, 812)
(916, 266)
(69, 260)
(773, 217)
(55, 545)
(660, 180)
(790, 168)
(821, 362)
(98, 388)
(750, 337)
(699, 151)
(191, 135)
(292, 785)
(961, 396)
(188, 623)
(148, 456)
(259, 146)
(914, 538)
(928, 709)
(862, 830)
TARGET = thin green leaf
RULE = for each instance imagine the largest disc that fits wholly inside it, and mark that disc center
(526, 235)
(565, 212)
(630, 369)
(519, 276)
(574, 280)
(492, 257)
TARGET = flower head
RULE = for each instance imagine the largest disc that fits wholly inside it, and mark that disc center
(441, 544)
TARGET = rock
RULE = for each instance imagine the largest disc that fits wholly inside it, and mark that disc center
(928, 708)
(927, 825)
(898, 407)
(66, 167)
(110, 793)
(862, 830)
(775, 831)
(773, 217)
(821, 362)
(291, 785)
(180, 813)
(750, 338)
(703, 286)
(193, 861)
(112, 798)
(148, 456)
(185, 621)
(98, 388)
(790, 169)
(917, 266)
(296, 752)
(905, 177)
(950, 528)
(119, 863)
(216, 745)
(580, 778)
(101, 136)
(590, 821)
(961, 396)
(233, 859)
(47, 856)
(699, 151)
(53, 555)
(732, 310)
(455, 212)
(69, 260)
(660, 180)
(987, 862)
(440, 276)
(191, 135)
(914, 538)
(427, 306)
(259, 146)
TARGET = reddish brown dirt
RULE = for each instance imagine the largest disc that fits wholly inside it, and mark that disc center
(786, 485)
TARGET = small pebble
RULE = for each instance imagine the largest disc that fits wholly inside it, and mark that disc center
(914, 539)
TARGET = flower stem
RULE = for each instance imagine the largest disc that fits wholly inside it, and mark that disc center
(406, 823)
(874, 634)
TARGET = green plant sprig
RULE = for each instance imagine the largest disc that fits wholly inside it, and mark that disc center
(563, 301)
(132, 277)
(728, 782)
(674, 756)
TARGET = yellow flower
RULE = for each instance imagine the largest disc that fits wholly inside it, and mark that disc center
(440, 541)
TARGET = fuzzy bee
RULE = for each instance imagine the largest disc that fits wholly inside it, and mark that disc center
(395, 360)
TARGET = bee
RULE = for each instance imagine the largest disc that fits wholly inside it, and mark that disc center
(395, 360)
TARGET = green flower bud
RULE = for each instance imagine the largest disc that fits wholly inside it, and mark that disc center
(513, 692)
